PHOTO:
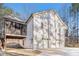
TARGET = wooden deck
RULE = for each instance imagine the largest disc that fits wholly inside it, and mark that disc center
(13, 40)
(15, 36)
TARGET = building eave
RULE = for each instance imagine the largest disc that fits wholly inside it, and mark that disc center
(29, 18)
(13, 19)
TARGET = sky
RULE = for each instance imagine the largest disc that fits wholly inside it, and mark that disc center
(26, 9)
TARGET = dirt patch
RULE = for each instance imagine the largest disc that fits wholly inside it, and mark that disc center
(36, 51)
(23, 52)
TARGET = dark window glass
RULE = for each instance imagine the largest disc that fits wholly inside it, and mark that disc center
(17, 26)
(41, 25)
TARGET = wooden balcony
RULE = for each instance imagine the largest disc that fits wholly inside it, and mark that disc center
(13, 36)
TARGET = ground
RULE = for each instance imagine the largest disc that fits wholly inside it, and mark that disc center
(45, 52)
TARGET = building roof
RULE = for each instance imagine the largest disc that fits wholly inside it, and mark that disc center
(13, 18)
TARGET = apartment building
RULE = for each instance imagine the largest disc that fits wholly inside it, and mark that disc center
(45, 30)
(12, 31)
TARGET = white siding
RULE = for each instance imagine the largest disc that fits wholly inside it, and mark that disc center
(48, 30)
(37, 33)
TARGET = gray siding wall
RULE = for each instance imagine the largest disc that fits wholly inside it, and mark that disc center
(28, 41)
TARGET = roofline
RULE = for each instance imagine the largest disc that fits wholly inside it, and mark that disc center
(29, 18)
(35, 13)
(48, 11)
(13, 20)
(55, 13)
(61, 19)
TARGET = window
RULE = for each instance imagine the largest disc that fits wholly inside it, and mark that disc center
(42, 25)
(17, 26)
(48, 16)
(45, 16)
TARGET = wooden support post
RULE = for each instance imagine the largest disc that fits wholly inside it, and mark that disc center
(23, 42)
(5, 40)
